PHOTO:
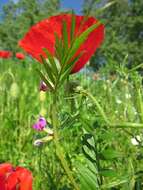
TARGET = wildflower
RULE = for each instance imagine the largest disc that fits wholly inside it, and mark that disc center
(41, 124)
(43, 86)
(42, 35)
(20, 55)
(135, 141)
(5, 54)
(14, 178)
(39, 142)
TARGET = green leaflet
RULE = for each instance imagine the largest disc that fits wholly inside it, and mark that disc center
(48, 69)
(52, 61)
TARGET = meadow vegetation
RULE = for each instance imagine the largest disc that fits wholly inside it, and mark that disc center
(98, 111)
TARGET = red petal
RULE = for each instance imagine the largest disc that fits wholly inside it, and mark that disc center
(20, 55)
(2, 183)
(5, 54)
(42, 36)
(12, 181)
(89, 47)
(25, 178)
(4, 169)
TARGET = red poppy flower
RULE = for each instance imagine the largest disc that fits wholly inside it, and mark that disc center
(18, 178)
(42, 35)
(5, 54)
(20, 56)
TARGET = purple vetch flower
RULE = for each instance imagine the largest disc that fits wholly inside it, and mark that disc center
(43, 86)
(38, 142)
(41, 124)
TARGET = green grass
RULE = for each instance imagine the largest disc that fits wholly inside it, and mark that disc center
(100, 154)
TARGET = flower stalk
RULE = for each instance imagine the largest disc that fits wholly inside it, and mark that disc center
(100, 109)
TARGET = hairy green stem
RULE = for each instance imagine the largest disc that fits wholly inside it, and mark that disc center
(107, 121)
(59, 150)
(140, 104)
(101, 111)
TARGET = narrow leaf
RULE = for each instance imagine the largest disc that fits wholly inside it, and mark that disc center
(65, 36)
(78, 42)
(52, 61)
(69, 68)
(45, 80)
(73, 22)
(115, 183)
(58, 47)
(48, 69)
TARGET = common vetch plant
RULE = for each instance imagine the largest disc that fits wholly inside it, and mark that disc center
(63, 44)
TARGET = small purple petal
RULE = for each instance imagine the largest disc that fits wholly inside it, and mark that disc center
(40, 125)
(42, 121)
(43, 86)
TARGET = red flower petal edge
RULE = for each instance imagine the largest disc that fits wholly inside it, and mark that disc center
(42, 36)
(5, 54)
(15, 178)
(20, 55)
